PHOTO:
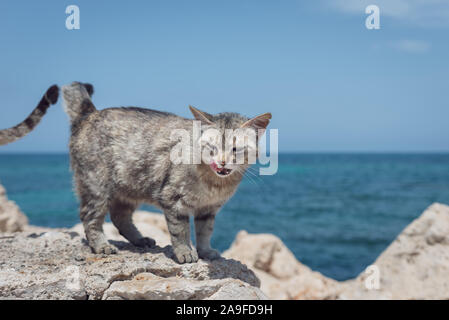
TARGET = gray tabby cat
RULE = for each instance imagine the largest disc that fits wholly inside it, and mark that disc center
(27, 125)
(121, 158)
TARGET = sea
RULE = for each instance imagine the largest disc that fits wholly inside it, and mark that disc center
(335, 211)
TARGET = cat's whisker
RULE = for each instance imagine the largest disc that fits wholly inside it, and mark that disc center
(244, 173)
(257, 176)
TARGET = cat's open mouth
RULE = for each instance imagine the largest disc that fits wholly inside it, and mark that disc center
(220, 171)
(223, 171)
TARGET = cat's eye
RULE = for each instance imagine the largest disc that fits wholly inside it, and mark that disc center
(237, 150)
(213, 149)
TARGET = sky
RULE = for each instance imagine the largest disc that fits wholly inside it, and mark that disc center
(330, 83)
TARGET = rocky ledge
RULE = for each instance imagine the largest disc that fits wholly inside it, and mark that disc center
(42, 263)
(58, 264)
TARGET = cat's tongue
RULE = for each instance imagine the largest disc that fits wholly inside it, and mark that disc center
(214, 166)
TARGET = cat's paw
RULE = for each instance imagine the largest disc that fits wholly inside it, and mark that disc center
(105, 248)
(145, 242)
(209, 254)
(185, 254)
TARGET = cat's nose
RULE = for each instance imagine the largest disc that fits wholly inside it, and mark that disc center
(223, 163)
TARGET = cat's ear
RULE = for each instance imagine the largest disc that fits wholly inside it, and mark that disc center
(259, 123)
(201, 115)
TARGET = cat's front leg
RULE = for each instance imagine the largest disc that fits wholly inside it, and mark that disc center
(204, 226)
(179, 229)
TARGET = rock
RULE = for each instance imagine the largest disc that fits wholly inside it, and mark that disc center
(150, 287)
(151, 225)
(414, 266)
(281, 275)
(11, 218)
(59, 265)
(44, 263)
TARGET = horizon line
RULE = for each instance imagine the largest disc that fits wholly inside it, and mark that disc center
(282, 152)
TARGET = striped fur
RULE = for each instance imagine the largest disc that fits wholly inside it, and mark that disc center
(77, 102)
(121, 158)
(27, 125)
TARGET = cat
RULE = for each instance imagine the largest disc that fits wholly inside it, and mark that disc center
(120, 158)
(27, 125)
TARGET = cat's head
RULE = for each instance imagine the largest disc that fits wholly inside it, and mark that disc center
(229, 141)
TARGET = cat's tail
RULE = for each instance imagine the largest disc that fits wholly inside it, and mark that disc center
(27, 125)
(77, 102)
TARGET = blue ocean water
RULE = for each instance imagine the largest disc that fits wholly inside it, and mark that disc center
(336, 212)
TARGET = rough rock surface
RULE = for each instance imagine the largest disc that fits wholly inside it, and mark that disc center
(11, 218)
(59, 265)
(42, 263)
(152, 287)
(414, 266)
(281, 275)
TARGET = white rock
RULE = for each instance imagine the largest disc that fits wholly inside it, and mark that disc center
(281, 275)
(150, 287)
(11, 218)
(414, 266)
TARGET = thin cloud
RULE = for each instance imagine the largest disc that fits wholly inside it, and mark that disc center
(430, 13)
(412, 46)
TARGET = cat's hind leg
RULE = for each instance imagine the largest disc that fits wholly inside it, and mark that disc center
(121, 216)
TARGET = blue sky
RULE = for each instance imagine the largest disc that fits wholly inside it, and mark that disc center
(330, 83)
